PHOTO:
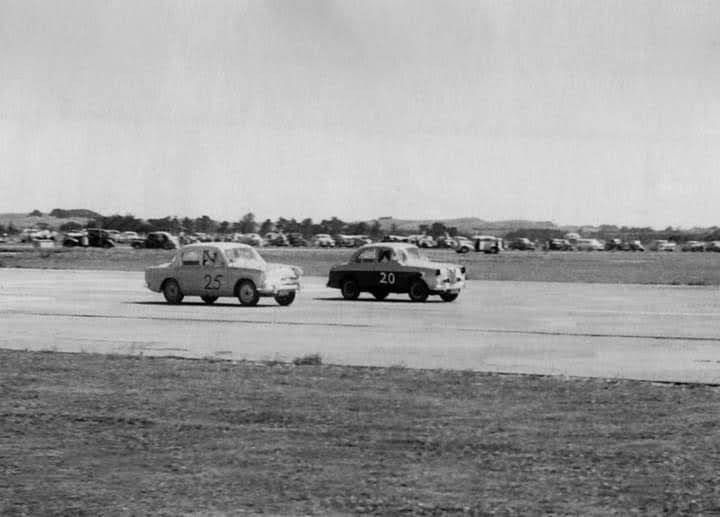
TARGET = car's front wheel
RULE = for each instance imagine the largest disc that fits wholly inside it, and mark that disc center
(209, 299)
(172, 292)
(350, 289)
(247, 293)
(449, 297)
(285, 299)
(418, 291)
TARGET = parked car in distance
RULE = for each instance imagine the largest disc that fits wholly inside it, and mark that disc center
(559, 245)
(488, 243)
(589, 245)
(323, 240)
(446, 241)
(276, 239)
(521, 243)
(92, 237)
(127, 237)
(614, 245)
(385, 268)
(297, 240)
(423, 241)
(157, 240)
(463, 244)
(662, 245)
(212, 270)
(693, 246)
(395, 238)
(633, 246)
(712, 246)
(252, 239)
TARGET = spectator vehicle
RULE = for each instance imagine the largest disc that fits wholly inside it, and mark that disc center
(614, 245)
(92, 237)
(662, 245)
(633, 246)
(425, 241)
(487, 243)
(212, 270)
(276, 239)
(297, 240)
(384, 268)
(712, 246)
(157, 240)
(559, 245)
(446, 241)
(128, 237)
(323, 240)
(463, 244)
(589, 245)
(395, 238)
(521, 243)
(693, 246)
(253, 239)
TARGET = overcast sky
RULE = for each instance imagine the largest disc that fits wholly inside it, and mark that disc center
(572, 111)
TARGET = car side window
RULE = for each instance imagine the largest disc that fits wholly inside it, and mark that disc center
(386, 255)
(211, 258)
(191, 258)
(368, 256)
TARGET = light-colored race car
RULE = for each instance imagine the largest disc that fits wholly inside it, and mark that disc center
(211, 270)
(385, 268)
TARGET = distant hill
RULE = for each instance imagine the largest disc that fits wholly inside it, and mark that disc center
(465, 225)
(24, 220)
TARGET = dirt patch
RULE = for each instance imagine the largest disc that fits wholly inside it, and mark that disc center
(90, 434)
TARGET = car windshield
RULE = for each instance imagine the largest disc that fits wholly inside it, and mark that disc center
(242, 255)
(414, 255)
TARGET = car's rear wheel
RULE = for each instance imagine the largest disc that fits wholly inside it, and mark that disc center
(285, 299)
(380, 294)
(247, 293)
(418, 291)
(209, 299)
(172, 292)
(350, 289)
(449, 297)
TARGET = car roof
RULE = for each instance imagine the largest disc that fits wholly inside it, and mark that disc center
(394, 245)
(220, 245)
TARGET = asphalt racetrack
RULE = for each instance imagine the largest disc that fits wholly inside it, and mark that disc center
(662, 333)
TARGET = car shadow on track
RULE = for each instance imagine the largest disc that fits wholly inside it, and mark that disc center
(373, 300)
(203, 304)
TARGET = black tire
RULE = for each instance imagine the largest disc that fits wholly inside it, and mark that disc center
(380, 294)
(209, 299)
(350, 289)
(449, 297)
(171, 291)
(418, 291)
(136, 245)
(247, 293)
(285, 299)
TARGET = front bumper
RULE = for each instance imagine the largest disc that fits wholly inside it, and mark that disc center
(279, 288)
(447, 287)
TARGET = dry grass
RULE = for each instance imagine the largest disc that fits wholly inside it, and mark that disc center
(606, 267)
(90, 434)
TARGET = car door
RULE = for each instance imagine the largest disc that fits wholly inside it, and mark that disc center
(214, 279)
(390, 271)
(365, 268)
(189, 272)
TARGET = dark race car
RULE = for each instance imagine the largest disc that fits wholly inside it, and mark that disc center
(384, 268)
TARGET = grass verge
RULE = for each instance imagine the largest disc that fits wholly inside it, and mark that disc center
(95, 434)
(604, 267)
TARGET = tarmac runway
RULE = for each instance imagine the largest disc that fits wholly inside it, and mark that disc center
(661, 333)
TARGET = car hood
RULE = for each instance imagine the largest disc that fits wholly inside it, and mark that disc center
(273, 267)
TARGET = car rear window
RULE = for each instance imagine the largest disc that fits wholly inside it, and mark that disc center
(191, 258)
